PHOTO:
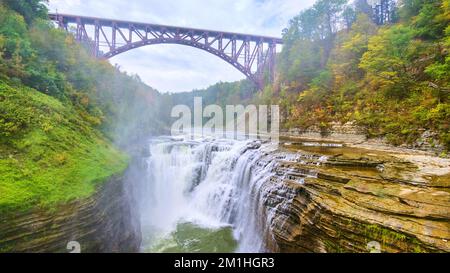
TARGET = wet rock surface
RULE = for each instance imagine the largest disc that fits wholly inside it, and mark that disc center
(105, 222)
(352, 198)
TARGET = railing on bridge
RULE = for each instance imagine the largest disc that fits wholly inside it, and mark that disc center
(250, 54)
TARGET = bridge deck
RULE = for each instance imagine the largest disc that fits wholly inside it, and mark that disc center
(143, 26)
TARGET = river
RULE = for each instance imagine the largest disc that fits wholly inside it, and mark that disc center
(205, 194)
(202, 195)
(221, 195)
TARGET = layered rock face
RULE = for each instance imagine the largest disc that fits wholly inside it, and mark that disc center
(347, 132)
(351, 133)
(104, 222)
(344, 203)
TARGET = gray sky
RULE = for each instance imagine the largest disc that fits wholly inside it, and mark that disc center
(175, 68)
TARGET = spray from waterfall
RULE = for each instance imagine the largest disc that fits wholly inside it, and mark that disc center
(213, 183)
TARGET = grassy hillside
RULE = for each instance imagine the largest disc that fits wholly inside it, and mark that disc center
(48, 153)
(62, 113)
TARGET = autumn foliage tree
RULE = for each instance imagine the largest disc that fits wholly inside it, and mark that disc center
(393, 80)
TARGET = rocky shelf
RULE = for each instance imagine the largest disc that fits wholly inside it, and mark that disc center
(344, 203)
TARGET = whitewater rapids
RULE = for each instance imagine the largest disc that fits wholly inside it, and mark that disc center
(210, 183)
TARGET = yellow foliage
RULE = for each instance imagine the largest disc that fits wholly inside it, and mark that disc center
(84, 100)
(60, 159)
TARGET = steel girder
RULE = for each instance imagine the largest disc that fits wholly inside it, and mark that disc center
(106, 38)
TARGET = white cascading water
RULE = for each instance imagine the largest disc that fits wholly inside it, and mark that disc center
(209, 182)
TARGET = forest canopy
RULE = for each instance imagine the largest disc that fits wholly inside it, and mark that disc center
(63, 114)
(339, 64)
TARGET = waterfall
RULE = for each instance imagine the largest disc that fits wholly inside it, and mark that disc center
(210, 182)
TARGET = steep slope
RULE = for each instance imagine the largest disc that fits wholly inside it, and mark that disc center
(49, 154)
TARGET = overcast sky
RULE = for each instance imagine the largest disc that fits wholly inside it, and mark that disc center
(175, 68)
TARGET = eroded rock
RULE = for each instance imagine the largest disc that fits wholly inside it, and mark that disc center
(345, 203)
(105, 222)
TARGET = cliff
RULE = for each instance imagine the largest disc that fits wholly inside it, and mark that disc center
(351, 133)
(104, 222)
(344, 203)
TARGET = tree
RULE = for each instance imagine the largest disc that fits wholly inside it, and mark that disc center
(328, 12)
(385, 12)
(303, 26)
(319, 22)
(16, 49)
(410, 8)
(349, 17)
(361, 6)
(2, 44)
(440, 70)
(300, 62)
(345, 59)
(389, 59)
(3, 67)
(29, 9)
(431, 20)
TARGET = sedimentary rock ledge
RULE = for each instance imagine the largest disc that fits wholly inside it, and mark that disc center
(105, 222)
(344, 202)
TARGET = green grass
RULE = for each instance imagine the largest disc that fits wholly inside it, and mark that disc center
(48, 153)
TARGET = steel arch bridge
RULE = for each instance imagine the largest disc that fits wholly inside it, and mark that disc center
(106, 38)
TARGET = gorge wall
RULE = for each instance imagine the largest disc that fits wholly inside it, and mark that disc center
(343, 203)
(104, 222)
(293, 199)
(300, 196)
(350, 133)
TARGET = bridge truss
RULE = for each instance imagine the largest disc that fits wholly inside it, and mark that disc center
(253, 55)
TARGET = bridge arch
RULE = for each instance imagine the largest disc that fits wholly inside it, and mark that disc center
(250, 54)
(193, 44)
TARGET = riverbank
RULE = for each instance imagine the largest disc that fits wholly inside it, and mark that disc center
(429, 160)
(339, 197)
(305, 196)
